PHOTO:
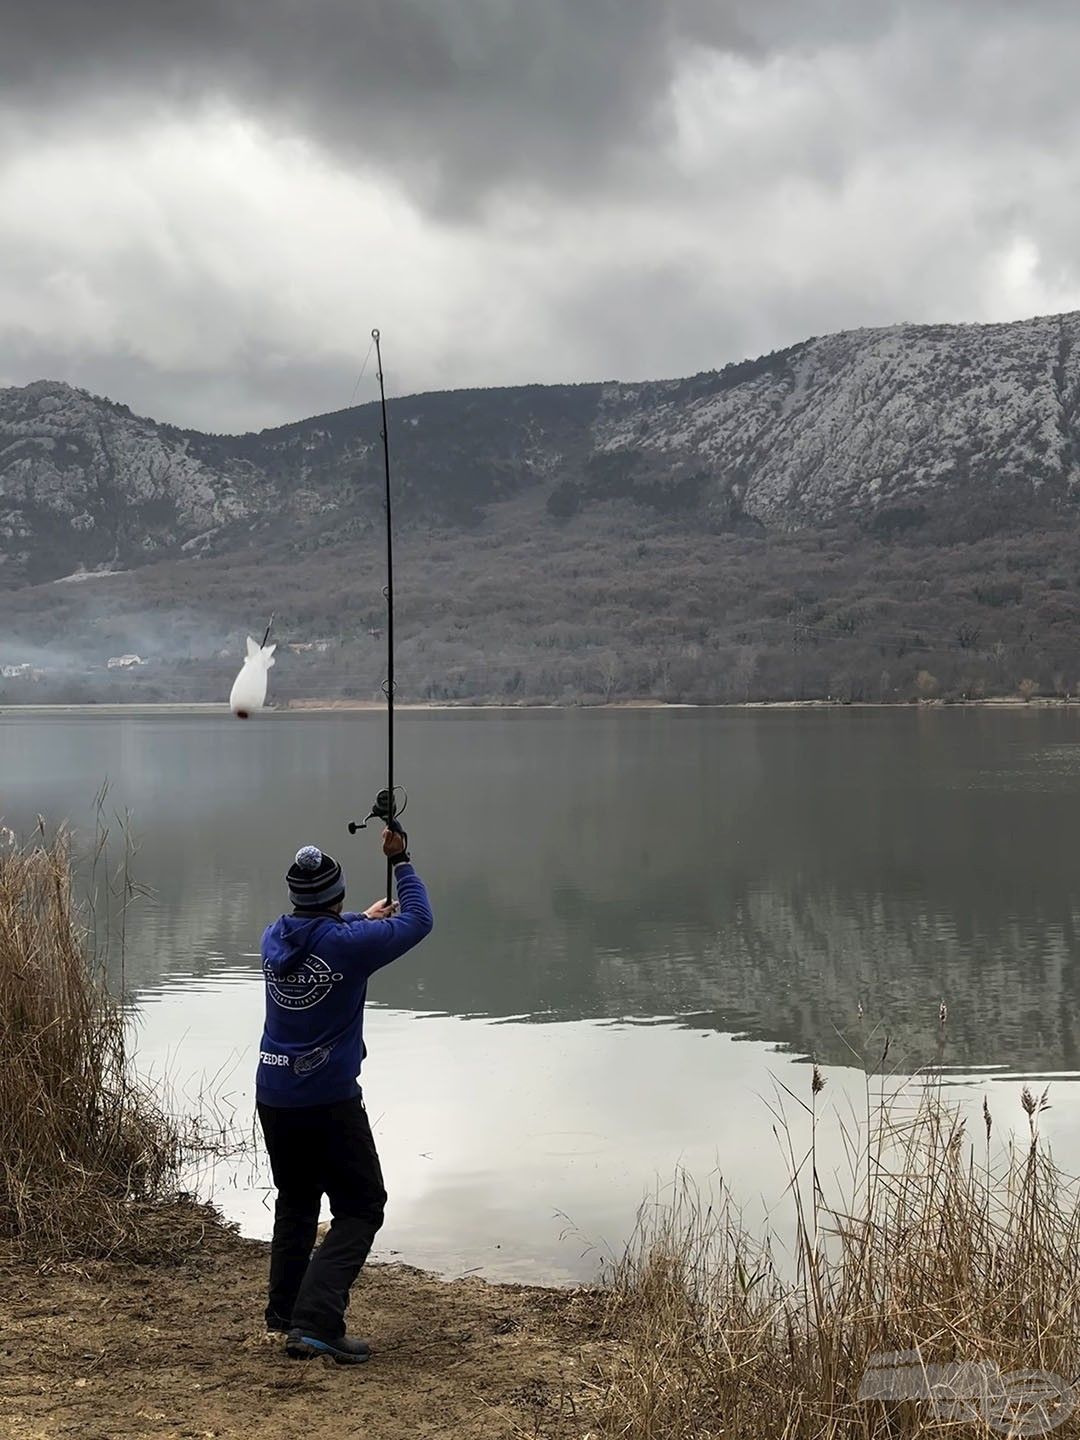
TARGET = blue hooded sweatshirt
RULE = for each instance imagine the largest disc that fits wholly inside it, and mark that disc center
(316, 969)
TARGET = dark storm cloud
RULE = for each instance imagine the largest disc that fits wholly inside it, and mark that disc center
(459, 94)
(456, 97)
(203, 204)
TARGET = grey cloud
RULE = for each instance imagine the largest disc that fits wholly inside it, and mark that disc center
(455, 93)
(454, 96)
(855, 162)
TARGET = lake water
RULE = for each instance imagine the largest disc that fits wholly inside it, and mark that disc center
(645, 922)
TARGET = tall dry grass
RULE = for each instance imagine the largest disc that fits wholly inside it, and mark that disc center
(935, 1246)
(86, 1151)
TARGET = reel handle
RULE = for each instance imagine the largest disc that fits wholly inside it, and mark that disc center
(385, 809)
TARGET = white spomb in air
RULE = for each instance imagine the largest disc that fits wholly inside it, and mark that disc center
(249, 687)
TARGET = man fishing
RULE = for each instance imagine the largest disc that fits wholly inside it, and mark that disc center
(316, 964)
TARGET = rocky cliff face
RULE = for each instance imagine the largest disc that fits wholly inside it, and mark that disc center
(84, 483)
(868, 420)
(878, 425)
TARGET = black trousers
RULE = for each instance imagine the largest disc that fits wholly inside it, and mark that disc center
(314, 1151)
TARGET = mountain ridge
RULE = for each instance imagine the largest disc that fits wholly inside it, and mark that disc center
(861, 420)
(891, 450)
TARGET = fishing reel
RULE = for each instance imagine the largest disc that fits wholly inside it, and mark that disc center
(385, 808)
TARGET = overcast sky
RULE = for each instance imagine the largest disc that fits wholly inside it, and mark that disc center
(205, 207)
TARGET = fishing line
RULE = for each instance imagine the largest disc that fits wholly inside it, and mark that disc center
(363, 371)
(386, 807)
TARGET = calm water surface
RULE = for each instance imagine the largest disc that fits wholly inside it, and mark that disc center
(645, 921)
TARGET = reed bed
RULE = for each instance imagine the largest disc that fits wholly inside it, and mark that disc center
(937, 1295)
(89, 1160)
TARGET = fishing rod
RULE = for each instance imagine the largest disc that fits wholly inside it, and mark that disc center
(386, 806)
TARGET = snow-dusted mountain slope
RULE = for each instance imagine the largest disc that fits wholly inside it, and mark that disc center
(907, 420)
(869, 418)
(85, 483)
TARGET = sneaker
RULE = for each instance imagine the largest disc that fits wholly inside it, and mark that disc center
(344, 1350)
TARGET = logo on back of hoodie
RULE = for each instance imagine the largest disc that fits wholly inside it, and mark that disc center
(302, 985)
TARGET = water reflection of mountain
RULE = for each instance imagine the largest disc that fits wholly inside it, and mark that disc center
(757, 873)
(794, 970)
(791, 967)
(788, 968)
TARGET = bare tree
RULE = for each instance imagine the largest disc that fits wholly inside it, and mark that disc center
(926, 684)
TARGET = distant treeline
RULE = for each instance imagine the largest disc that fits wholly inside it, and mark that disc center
(615, 603)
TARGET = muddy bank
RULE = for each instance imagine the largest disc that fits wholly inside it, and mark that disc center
(107, 1351)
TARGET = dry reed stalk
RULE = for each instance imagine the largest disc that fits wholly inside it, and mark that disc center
(968, 1263)
(86, 1151)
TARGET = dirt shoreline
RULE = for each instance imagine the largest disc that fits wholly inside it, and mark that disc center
(108, 1351)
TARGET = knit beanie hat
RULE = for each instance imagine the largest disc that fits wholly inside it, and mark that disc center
(315, 880)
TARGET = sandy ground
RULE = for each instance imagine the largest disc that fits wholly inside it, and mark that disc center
(108, 1351)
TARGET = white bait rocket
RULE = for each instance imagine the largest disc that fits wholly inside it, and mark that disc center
(249, 688)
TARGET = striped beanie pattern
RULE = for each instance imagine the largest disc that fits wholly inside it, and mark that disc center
(315, 880)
